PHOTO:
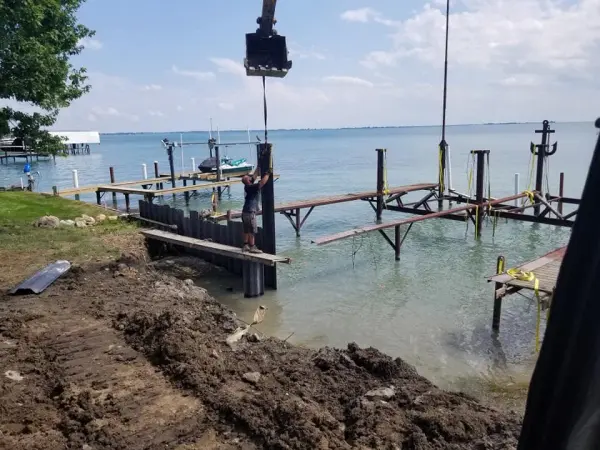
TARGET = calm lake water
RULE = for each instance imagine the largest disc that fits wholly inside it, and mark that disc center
(433, 308)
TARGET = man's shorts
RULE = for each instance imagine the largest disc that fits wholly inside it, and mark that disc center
(249, 221)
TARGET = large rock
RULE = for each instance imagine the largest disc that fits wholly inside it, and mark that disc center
(100, 218)
(80, 223)
(89, 220)
(47, 222)
(67, 223)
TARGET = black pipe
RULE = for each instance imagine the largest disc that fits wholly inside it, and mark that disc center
(265, 165)
(171, 165)
(380, 182)
(479, 187)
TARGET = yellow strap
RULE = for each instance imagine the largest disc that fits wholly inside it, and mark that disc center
(521, 275)
(386, 188)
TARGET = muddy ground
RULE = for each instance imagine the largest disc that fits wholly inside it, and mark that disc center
(123, 355)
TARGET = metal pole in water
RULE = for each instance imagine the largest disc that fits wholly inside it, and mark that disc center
(517, 190)
(76, 182)
(144, 171)
(112, 181)
(193, 164)
(22, 184)
(561, 192)
(181, 145)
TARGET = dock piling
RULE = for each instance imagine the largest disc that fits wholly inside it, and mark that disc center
(253, 279)
(112, 181)
(144, 172)
(479, 188)
(218, 169)
(500, 263)
(171, 164)
(157, 175)
(397, 242)
(265, 163)
(380, 182)
(561, 191)
(76, 182)
(517, 189)
(193, 165)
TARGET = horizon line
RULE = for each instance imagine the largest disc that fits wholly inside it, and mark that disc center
(338, 128)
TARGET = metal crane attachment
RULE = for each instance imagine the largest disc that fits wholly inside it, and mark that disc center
(266, 51)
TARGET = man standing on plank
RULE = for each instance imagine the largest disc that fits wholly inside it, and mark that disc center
(252, 194)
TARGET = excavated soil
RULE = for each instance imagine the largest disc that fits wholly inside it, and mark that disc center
(124, 356)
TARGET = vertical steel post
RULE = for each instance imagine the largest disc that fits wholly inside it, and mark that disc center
(265, 164)
(561, 191)
(112, 181)
(380, 181)
(479, 188)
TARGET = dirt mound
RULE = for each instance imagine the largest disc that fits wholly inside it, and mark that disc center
(285, 397)
(83, 359)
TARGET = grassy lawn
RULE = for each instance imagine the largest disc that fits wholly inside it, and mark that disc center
(24, 249)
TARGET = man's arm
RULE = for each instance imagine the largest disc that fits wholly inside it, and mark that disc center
(263, 180)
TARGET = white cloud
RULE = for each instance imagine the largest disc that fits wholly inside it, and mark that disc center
(226, 106)
(92, 44)
(155, 113)
(359, 15)
(114, 112)
(152, 87)
(298, 52)
(354, 81)
(227, 65)
(197, 75)
(507, 35)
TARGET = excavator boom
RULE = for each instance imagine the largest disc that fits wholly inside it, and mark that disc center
(266, 51)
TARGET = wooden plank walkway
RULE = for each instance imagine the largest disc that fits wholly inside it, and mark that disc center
(333, 199)
(214, 247)
(545, 269)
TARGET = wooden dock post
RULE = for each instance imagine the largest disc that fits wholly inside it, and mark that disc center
(380, 182)
(112, 181)
(186, 194)
(265, 164)
(171, 164)
(498, 296)
(479, 186)
(98, 197)
(561, 191)
(157, 175)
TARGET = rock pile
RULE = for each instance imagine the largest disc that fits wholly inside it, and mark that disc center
(80, 222)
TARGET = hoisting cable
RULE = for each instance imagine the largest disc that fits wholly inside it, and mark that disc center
(264, 83)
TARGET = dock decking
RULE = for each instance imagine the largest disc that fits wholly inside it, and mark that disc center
(214, 247)
(545, 269)
(333, 199)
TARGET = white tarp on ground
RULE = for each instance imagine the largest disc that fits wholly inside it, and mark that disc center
(78, 137)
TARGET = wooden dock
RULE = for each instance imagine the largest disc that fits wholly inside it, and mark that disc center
(539, 276)
(545, 269)
(333, 199)
(292, 209)
(214, 247)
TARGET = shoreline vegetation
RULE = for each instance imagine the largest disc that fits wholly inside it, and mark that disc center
(128, 352)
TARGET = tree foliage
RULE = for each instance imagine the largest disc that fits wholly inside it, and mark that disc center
(37, 40)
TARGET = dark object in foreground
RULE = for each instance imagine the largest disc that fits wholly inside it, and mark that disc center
(38, 283)
(563, 403)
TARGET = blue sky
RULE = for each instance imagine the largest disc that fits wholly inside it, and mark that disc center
(155, 67)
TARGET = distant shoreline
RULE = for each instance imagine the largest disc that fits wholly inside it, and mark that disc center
(116, 133)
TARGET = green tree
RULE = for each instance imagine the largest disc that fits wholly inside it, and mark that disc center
(37, 40)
